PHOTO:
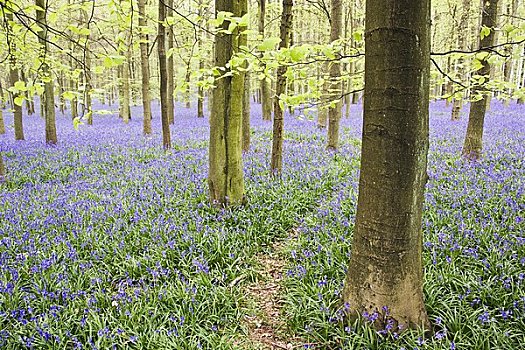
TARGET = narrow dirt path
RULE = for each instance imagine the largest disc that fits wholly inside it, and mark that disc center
(266, 329)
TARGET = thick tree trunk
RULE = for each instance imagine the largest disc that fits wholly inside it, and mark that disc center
(266, 101)
(49, 95)
(334, 113)
(457, 103)
(386, 269)
(144, 68)
(473, 143)
(161, 39)
(170, 68)
(226, 177)
(280, 87)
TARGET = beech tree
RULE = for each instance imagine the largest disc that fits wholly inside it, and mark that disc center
(280, 86)
(49, 94)
(144, 67)
(474, 138)
(385, 272)
(166, 136)
(226, 176)
(334, 112)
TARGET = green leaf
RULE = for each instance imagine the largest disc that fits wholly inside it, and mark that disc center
(68, 95)
(485, 31)
(269, 43)
(358, 36)
(20, 86)
(19, 100)
(298, 53)
(77, 122)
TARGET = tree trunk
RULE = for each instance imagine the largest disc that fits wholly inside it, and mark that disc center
(226, 177)
(88, 108)
(278, 119)
(266, 101)
(13, 78)
(385, 273)
(144, 67)
(457, 103)
(473, 144)
(161, 39)
(170, 68)
(200, 92)
(2, 168)
(334, 113)
(49, 95)
(2, 123)
(126, 111)
(246, 115)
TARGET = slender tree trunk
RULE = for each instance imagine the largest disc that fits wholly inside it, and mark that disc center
(243, 41)
(266, 101)
(2, 123)
(322, 114)
(386, 268)
(473, 144)
(126, 110)
(144, 67)
(246, 115)
(457, 103)
(88, 108)
(13, 78)
(200, 92)
(226, 177)
(278, 118)
(334, 113)
(161, 39)
(2, 169)
(170, 68)
(49, 95)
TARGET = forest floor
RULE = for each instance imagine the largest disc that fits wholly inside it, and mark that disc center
(109, 242)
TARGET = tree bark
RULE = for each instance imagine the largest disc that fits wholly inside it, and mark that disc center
(457, 103)
(246, 115)
(280, 86)
(385, 273)
(161, 39)
(2, 123)
(473, 144)
(49, 95)
(226, 177)
(13, 78)
(334, 112)
(144, 67)
(170, 68)
(126, 110)
(266, 101)
(2, 168)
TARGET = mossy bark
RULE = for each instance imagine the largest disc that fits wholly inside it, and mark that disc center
(386, 270)
(144, 68)
(280, 87)
(226, 176)
(49, 94)
(473, 144)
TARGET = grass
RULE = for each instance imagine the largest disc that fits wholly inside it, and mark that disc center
(108, 242)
